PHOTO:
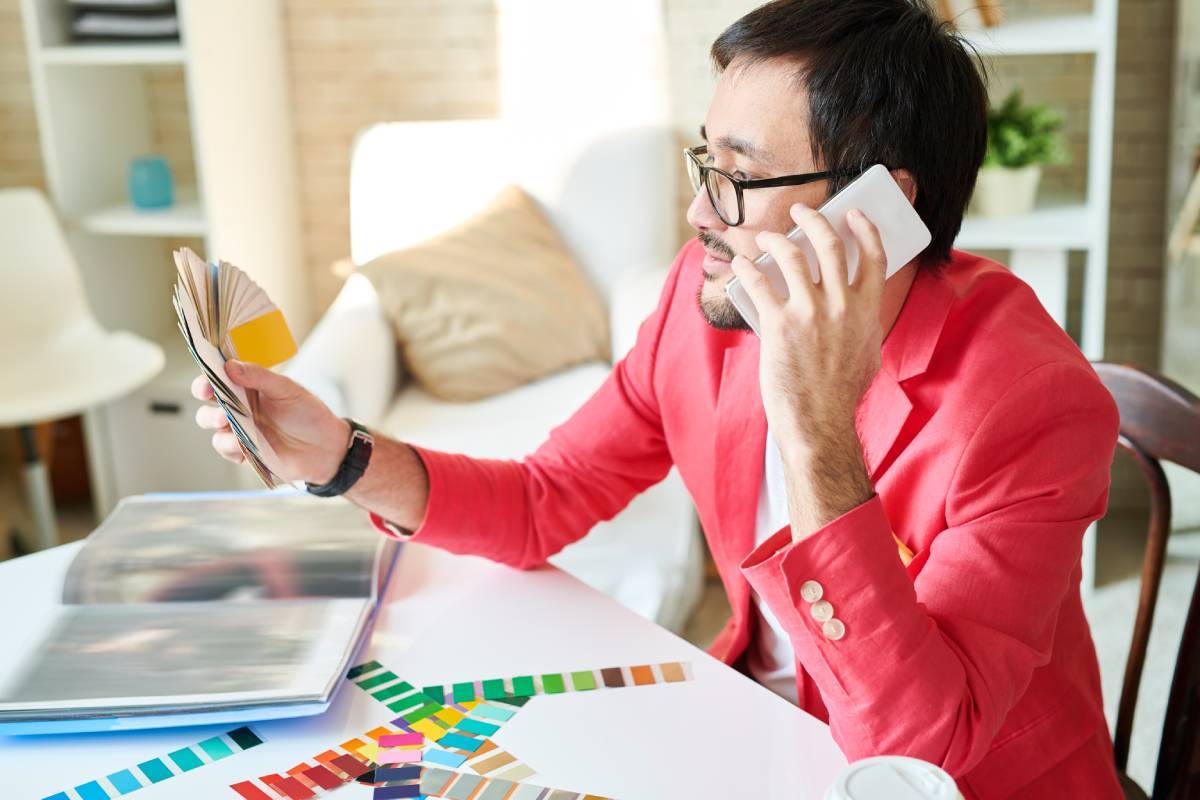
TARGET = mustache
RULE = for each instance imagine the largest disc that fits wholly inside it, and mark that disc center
(715, 245)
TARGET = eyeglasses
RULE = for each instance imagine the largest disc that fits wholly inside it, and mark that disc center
(725, 191)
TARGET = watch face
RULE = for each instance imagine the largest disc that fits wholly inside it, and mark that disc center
(360, 432)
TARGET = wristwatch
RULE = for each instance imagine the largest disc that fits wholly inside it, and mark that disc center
(353, 465)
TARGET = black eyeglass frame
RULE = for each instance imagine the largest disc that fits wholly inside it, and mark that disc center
(739, 186)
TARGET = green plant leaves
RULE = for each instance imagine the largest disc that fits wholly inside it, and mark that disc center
(1020, 135)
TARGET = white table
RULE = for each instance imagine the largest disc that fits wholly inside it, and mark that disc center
(449, 618)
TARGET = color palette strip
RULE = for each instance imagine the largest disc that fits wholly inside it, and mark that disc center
(333, 768)
(457, 734)
(524, 686)
(157, 770)
(490, 760)
(398, 782)
(436, 782)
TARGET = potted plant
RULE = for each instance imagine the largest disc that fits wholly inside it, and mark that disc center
(1021, 138)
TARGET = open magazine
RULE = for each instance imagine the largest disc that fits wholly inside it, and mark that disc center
(183, 610)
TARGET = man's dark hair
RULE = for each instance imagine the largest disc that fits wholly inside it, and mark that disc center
(887, 82)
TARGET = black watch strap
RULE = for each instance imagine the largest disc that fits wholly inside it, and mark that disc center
(353, 465)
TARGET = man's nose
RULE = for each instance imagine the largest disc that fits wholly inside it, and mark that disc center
(701, 215)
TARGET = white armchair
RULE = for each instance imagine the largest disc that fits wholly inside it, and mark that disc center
(585, 133)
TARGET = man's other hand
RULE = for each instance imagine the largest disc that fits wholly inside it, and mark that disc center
(309, 440)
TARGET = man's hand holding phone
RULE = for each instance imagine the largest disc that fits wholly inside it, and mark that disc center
(820, 350)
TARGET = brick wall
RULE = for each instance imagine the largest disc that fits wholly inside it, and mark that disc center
(1145, 57)
(20, 155)
(171, 134)
(20, 165)
(354, 62)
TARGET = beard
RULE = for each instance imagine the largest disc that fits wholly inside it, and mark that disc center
(719, 312)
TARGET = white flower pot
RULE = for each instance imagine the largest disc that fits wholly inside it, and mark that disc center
(1004, 192)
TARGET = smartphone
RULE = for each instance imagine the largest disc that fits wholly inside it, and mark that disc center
(877, 195)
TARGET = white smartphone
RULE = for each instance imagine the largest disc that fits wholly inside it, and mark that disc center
(877, 195)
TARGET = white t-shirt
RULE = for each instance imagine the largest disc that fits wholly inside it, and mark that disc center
(771, 659)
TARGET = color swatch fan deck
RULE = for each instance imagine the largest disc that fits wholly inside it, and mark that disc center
(224, 315)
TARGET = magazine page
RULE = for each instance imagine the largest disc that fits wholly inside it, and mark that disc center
(227, 547)
(153, 657)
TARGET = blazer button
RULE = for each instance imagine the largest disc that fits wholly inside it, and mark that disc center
(822, 611)
(833, 629)
(811, 591)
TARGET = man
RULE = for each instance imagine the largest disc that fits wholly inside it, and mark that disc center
(902, 549)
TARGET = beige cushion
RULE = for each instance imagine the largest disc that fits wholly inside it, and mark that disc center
(490, 305)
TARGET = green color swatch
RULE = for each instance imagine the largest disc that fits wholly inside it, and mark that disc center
(388, 692)
(384, 677)
(493, 689)
(427, 710)
(408, 701)
(583, 681)
(363, 669)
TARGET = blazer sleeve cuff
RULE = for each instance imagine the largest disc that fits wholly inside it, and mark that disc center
(445, 497)
(843, 596)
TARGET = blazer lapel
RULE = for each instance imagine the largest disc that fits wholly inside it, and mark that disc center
(740, 436)
(880, 415)
(907, 352)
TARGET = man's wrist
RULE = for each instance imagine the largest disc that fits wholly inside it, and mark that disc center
(352, 466)
(332, 453)
(825, 479)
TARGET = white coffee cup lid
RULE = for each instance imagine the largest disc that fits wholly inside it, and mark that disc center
(893, 778)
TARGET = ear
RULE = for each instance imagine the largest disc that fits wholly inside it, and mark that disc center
(907, 185)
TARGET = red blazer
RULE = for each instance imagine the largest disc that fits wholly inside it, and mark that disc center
(989, 440)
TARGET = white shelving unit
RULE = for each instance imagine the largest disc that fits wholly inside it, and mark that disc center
(1070, 33)
(1040, 243)
(97, 54)
(185, 218)
(95, 117)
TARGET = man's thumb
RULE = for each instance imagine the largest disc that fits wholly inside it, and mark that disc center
(249, 375)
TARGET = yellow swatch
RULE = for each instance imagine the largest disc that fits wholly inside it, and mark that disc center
(432, 730)
(370, 751)
(264, 340)
(449, 716)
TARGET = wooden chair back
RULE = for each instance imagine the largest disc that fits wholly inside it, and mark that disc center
(1160, 421)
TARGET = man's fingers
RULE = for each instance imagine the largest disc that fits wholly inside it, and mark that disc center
(226, 444)
(212, 418)
(202, 389)
(829, 247)
(792, 264)
(254, 376)
(872, 258)
(756, 285)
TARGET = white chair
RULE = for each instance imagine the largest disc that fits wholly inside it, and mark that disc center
(588, 136)
(55, 359)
